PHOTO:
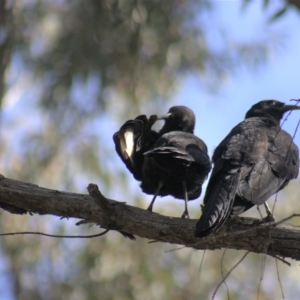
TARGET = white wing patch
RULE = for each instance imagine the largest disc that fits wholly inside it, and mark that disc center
(129, 143)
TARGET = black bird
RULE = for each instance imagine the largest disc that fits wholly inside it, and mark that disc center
(254, 161)
(173, 162)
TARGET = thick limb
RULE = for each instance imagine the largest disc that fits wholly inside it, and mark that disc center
(160, 185)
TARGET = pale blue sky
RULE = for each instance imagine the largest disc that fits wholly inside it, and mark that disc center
(278, 79)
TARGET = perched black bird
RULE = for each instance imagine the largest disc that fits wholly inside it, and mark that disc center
(254, 161)
(172, 161)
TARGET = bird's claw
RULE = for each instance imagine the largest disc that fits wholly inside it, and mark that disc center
(185, 215)
(269, 218)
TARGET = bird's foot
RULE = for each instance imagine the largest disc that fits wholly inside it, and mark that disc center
(149, 208)
(269, 218)
(185, 215)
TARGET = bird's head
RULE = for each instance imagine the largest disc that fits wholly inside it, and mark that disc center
(270, 108)
(178, 118)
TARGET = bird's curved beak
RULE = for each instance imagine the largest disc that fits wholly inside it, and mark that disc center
(164, 117)
(286, 108)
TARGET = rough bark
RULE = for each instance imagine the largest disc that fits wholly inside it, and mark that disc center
(275, 239)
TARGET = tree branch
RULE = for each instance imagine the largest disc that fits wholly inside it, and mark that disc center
(249, 234)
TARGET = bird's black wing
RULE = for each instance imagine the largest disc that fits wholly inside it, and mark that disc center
(182, 154)
(273, 171)
(284, 156)
(125, 140)
(233, 158)
(133, 138)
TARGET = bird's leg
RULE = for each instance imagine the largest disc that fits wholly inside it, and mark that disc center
(257, 207)
(269, 217)
(185, 214)
(160, 185)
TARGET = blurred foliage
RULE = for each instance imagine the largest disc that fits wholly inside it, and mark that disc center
(5, 41)
(284, 6)
(73, 70)
(79, 60)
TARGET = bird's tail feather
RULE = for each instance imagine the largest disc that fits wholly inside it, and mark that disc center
(218, 201)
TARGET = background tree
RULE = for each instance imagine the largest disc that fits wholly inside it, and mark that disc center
(75, 70)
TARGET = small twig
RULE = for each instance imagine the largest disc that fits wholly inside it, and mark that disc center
(57, 236)
(279, 280)
(297, 100)
(175, 249)
(214, 294)
(281, 259)
(200, 267)
(201, 263)
(297, 127)
(277, 269)
(260, 226)
(286, 219)
(82, 222)
(262, 271)
(153, 241)
(287, 116)
(98, 197)
(222, 273)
